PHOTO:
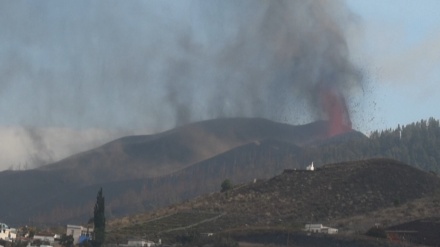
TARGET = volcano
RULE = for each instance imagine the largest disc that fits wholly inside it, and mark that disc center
(137, 171)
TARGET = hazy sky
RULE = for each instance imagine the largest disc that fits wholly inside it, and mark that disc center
(76, 74)
(399, 47)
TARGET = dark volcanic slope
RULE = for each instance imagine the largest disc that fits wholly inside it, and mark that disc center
(331, 192)
(64, 191)
(261, 159)
(167, 152)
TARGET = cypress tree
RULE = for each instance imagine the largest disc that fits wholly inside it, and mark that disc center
(99, 220)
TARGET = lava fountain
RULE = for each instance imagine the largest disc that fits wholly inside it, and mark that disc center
(335, 110)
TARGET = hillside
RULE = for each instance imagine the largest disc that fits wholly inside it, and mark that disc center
(143, 167)
(189, 161)
(328, 195)
(261, 159)
(173, 150)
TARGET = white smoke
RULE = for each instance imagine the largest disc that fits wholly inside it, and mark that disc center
(26, 148)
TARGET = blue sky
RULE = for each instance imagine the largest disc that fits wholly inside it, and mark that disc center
(400, 48)
(76, 74)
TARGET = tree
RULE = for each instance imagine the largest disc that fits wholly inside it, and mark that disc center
(226, 185)
(66, 240)
(99, 220)
(377, 232)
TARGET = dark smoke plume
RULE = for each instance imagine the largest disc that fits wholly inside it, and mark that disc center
(132, 64)
(41, 153)
(278, 53)
(152, 65)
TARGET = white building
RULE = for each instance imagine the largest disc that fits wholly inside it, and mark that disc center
(6, 233)
(140, 243)
(79, 232)
(45, 237)
(319, 228)
(310, 167)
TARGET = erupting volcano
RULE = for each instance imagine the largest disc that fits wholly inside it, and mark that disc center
(335, 110)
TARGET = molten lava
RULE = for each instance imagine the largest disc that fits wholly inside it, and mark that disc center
(335, 110)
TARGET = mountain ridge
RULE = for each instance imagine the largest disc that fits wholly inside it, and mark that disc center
(180, 147)
(64, 193)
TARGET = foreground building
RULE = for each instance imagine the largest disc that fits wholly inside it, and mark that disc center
(79, 233)
(6, 233)
(423, 231)
(319, 228)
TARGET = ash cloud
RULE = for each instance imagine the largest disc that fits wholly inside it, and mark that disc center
(29, 147)
(41, 153)
(137, 65)
(263, 57)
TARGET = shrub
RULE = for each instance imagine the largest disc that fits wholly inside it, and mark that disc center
(226, 185)
(377, 232)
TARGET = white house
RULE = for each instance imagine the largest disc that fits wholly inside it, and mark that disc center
(7, 233)
(319, 228)
(78, 232)
(310, 167)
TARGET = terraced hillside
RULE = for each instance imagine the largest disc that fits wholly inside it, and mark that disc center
(295, 197)
(174, 222)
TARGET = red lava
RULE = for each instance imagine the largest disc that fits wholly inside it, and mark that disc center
(334, 107)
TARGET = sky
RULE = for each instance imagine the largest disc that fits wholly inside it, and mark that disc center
(399, 47)
(77, 74)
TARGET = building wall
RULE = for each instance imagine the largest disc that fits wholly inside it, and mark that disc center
(77, 232)
(319, 228)
(49, 239)
(313, 226)
(7, 234)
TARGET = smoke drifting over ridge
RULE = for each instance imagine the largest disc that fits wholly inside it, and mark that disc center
(152, 65)
(276, 54)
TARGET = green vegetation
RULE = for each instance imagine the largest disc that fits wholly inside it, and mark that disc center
(99, 220)
(226, 185)
(415, 144)
(66, 240)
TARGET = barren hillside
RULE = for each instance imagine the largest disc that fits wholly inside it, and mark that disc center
(327, 195)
